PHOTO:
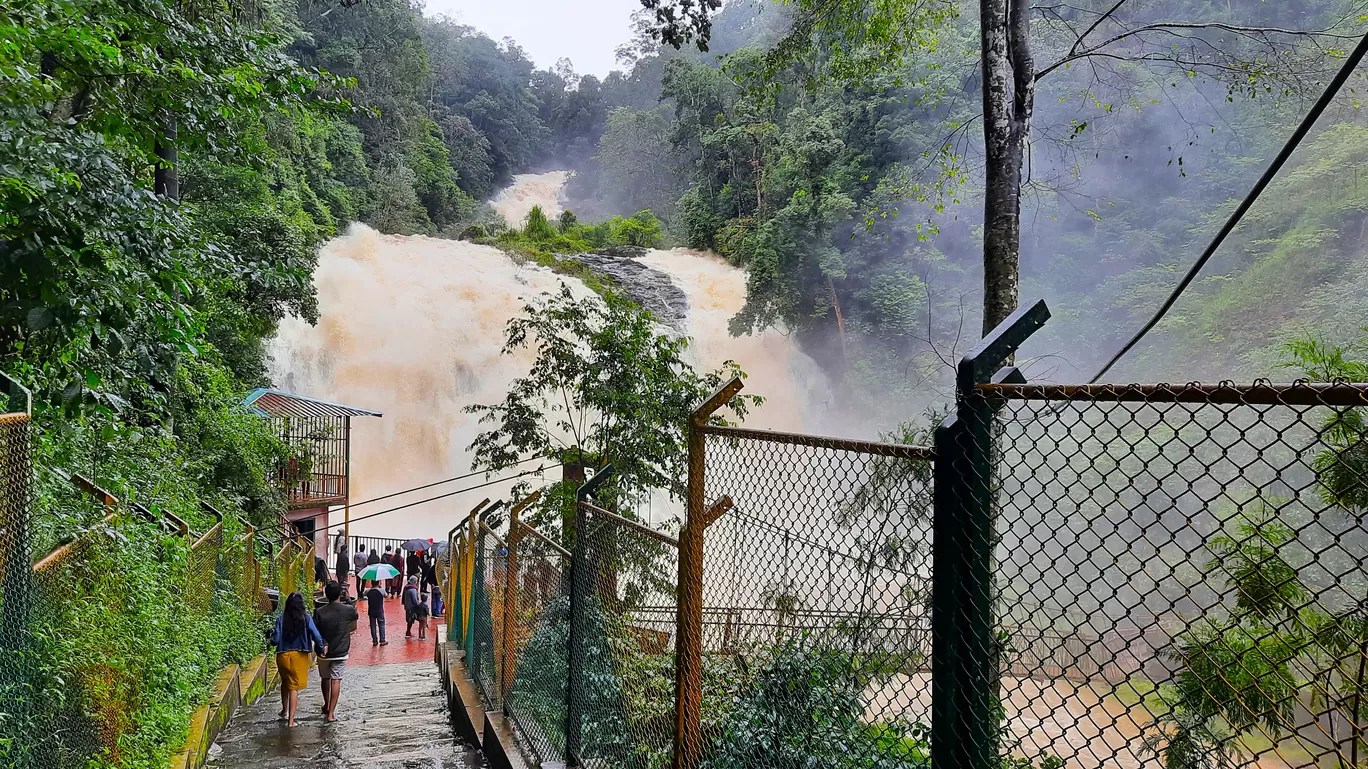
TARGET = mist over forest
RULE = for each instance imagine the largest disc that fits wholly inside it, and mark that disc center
(865, 200)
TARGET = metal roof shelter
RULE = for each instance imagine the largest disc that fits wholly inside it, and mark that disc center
(278, 403)
(319, 434)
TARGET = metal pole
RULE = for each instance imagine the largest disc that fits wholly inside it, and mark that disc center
(689, 609)
(964, 683)
(579, 598)
(468, 574)
(464, 572)
(346, 479)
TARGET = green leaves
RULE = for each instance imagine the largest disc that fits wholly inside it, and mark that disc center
(604, 381)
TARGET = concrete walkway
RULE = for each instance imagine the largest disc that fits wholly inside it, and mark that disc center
(392, 714)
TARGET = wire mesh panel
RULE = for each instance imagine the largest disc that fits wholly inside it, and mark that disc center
(1179, 576)
(202, 573)
(91, 603)
(87, 720)
(535, 676)
(16, 597)
(816, 585)
(626, 697)
(486, 613)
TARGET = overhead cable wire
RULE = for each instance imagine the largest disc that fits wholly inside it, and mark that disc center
(1331, 91)
(439, 483)
(433, 499)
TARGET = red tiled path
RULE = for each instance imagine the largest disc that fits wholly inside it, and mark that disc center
(400, 649)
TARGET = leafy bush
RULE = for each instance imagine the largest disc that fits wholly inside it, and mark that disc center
(806, 708)
(642, 229)
(116, 652)
(537, 226)
(539, 688)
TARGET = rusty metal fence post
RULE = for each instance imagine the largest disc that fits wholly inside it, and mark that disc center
(16, 553)
(458, 613)
(689, 617)
(508, 651)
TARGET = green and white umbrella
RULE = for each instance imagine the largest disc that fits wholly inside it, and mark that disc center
(379, 571)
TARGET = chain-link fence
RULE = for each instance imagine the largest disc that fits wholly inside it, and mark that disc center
(625, 696)
(1178, 574)
(16, 598)
(203, 567)
(486, 613)
(85, 628)
(816, 582)
(537, 633)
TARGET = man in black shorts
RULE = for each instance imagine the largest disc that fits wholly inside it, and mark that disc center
(336, 620)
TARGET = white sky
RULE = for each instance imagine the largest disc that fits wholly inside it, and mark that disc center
(585, 31)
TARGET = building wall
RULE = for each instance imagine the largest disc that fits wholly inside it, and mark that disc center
(319, 516)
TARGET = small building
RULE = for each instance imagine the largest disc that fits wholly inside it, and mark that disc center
(317, 480)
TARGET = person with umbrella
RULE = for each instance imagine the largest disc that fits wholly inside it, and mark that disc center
(375, 600)
(415, 563)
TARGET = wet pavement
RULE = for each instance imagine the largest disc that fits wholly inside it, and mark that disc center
(400, 648)
(392, 714)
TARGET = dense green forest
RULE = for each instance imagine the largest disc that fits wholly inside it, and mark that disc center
(852, 191)
(170, 168)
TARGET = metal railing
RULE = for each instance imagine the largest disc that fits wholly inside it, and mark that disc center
(1131, 576)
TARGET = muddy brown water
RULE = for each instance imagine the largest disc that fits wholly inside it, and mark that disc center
(1081, 723)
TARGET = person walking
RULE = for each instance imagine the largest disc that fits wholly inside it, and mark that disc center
(294, 638)
(375, 611)
(438, 600)
(411, 604)
(336, 620)
(343, 562)
(359, 563)
(430, 582)
(396, 585)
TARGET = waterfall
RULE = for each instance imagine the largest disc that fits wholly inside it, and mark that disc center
(413, 326)
(528, 190)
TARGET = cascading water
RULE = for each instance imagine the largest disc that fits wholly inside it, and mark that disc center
(413, 326)
(528, 190)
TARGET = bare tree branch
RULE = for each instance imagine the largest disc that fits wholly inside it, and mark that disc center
(1261, 34)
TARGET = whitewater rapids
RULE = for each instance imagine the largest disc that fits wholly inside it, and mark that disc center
(413, 326)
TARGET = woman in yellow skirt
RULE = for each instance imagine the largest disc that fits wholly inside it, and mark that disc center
(295, 638)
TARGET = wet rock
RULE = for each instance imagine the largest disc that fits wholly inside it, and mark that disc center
(625, 252)
(644, 285)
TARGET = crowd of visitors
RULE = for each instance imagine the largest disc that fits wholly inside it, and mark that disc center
(299, 637)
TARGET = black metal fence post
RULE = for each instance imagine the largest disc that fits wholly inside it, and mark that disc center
(964, 684)
(580, 588)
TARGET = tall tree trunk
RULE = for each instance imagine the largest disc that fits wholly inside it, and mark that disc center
(164, 180)
(1008, 102)
(840, 324)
